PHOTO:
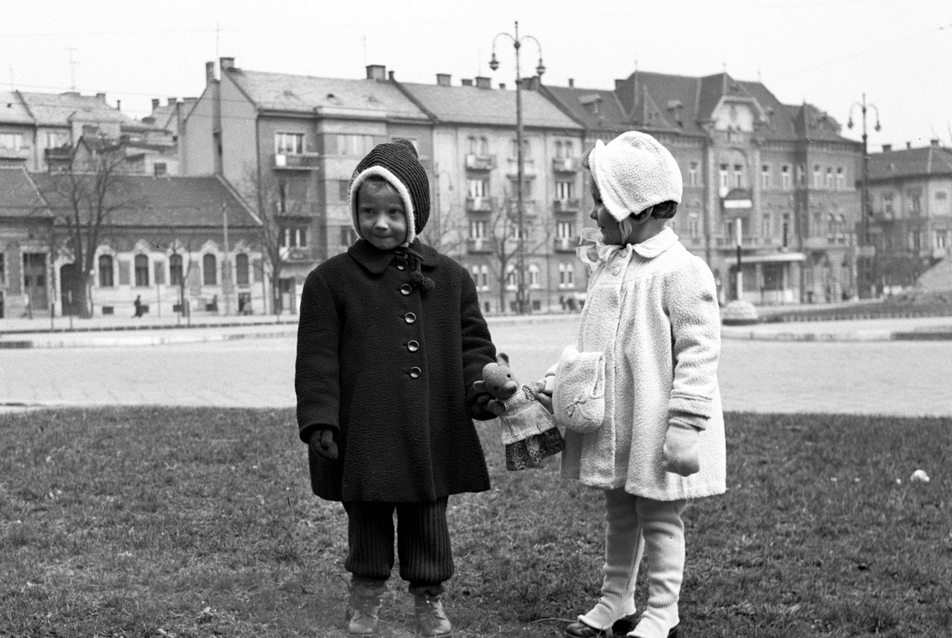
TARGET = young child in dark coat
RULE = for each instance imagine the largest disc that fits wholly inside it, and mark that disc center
(390, 343)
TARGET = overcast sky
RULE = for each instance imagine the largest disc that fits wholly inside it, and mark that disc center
(827, 52)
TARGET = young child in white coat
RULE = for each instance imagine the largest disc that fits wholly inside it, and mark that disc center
(652, 317)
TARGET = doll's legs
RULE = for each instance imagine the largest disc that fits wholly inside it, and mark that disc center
(423, 544)
(663, 532)
(623, 549)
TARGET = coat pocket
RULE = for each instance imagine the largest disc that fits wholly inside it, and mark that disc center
(578, 400)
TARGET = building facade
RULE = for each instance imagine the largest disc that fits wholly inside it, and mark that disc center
(910, 222)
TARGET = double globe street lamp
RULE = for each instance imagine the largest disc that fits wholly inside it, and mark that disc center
(521, 305)
(866, 248)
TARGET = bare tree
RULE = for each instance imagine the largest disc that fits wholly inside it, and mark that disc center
(83, 196)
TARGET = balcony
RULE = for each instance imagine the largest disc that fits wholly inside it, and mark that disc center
(565, 165)
(530, 208)
(296, 255)
(478, 246)
(566, 206)
(297, 162)
(480, 204)
(476, 162)
(565, 244)
(58, 153)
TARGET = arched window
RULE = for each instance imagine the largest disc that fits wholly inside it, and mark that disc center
(241, 269)
(142, 270)
(105, 271)
(175, 270)
(209, 270)
(534, 276)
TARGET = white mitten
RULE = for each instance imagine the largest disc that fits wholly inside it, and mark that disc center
(681, 448)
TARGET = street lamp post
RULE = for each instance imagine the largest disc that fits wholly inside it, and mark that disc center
(864, 203)
(520, 224)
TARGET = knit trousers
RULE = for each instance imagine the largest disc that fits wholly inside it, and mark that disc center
(423, 543)
(634, 525)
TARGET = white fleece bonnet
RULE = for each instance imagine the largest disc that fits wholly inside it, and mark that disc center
(634, 171)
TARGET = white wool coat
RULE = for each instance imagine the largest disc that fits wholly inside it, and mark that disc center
(652, 309)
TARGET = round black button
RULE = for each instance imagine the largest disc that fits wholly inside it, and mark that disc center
(415, 372)
(406, 289)
(409, 317)
(413, 346)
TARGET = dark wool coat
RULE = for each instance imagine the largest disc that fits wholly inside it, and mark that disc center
(388, 365)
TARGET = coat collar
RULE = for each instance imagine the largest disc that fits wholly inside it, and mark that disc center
(375, 261)
(656, 245)
(592, 250)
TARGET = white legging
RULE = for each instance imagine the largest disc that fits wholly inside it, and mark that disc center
(633, 525)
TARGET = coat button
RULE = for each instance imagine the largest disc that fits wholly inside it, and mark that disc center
(401, 266)
(409, 317)
(616, 270)
(415, 372)
(413, 346)
(406, 289)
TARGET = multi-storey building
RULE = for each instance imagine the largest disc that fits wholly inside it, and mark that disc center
(910, 221)
(475, 175)
(769, 188)
(289, 144)
(25, 230)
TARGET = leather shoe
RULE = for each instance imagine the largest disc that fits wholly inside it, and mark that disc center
(621, 627)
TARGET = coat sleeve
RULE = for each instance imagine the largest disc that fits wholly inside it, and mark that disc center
(316, 373)
(478, 348)
(691, 301)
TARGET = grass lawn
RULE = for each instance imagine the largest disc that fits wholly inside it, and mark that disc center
(125, 522)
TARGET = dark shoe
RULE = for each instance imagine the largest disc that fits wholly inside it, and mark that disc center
(431, 620)
(363, 609)
(579, 629)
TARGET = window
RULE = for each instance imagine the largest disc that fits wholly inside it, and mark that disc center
(725, 177)
(693, 174)
(3, 270)
(565, 230)
(209, 270)
(888, 204)
(289, 143)
(176, 274)
(347, 235)
(765, 226)
(558, 151)
(477, 228)
(534, 276)
(56, 139)
(293, 237)
(513, 148)
(694, 225)
(829, 178)
(840, 179)
(105, 271)
(785, 179)
(472, 144)
(564, 190)
(481, 277)
(354, 145)
(785, 228)
(941, 203)
(241, 269)
(765, 176)
(160, 169)
(477, 187)
(11, 141)
(738, 176)
(142, 270)
(941, 240)
(483, 147)
(831, 229)
(566, 276)
(343, 190)
(510, 277)
(159, 270)
(915, 202)
(817, 176)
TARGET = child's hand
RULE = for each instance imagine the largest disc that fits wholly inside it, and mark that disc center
(322, 442)
(544, 389)
(680, 449)
(483, 406)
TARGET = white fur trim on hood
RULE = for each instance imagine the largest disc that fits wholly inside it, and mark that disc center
(397, 185)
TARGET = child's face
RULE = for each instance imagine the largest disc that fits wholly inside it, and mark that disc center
(611, 233)
(381, 216)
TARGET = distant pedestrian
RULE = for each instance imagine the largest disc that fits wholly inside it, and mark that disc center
(390, 343)
(138, 304)
(646, 354)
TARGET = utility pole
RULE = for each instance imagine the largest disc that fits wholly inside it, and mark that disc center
(226, 265)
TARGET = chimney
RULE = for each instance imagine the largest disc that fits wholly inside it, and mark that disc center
(934, 141)
(444, 79)
(376, 72)
(467, 82)
(118, 105)
(571, 83)
(172, 101)
(226, 64)
(390, 76)
(502, 86)
(155, 103)
(908, 145)
(101, 96)
(483, 83)
(887, 148)
(209, 72)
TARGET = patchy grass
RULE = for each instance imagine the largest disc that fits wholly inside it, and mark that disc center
(127, 522)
